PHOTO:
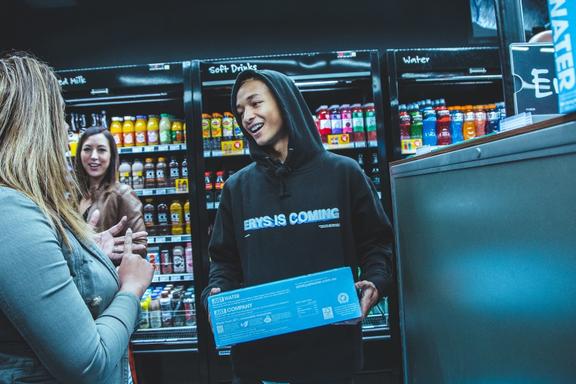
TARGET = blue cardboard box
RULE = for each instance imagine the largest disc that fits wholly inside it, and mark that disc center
(283, 306)
(563, 22)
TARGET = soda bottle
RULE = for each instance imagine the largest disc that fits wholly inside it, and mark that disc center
(228, 126)
(218, 185)
(456, 124)
(162, 210)
(469, 126)
(161, 180)
(174, 170)
(177, 131)
(178, 262)
(429, 127)
(206, 138)
(116, 130)
(178, 317)
(358, 125)
(125, 173)
(176, 217)
(208, 187)
(128, 131)
(335, 120)
(149, 214)
(149, 173)
(370, 114)
(153, 130)
(188, 257)
(165, 128)
(480, 120)
(404, 121)
(360, 161)
(346, 115)
(216, 130)
(416, 125)
(165, 262)
(184, 169)
(144, 322)
(137, 174)
(154, 312)
(493, 116)
(187, 217)
(323, 116)
(189, 310)
(443, 126)
(375, 171)
(140, 130)
(166, 309)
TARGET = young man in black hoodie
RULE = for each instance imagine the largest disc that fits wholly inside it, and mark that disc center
(297, 209)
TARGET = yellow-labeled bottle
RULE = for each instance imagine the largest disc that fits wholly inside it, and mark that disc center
(141, 130)
(187, 217)
(128, 131)
(116, 130)
(176, 217)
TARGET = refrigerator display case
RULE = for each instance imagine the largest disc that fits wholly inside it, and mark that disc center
(465, 80)
(331, 83)
(112, 96)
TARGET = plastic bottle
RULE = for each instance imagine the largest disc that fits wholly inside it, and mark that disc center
(165, 262)
(443, 126)
(163, 227)
(370, 114)
(149, 173)
(116, 130)
(189, 310)
(480, 120)
(187, 217)
(178, 317)
(216, 130)
(125, 173)
(493, 119)
(174, 172)
(323, 116)
(228, 126)
(208, 187)
(429, 127)
(177, 131)
(141, 130)
(165, 129)
(137, 174)
(128, 137)
(178, 261)
(153, 130)
(188, 257)
(404, 122)
(184, 169)
(176, 217)
(358, 125)
(154, 312)
(218, 185)
(149, 215)
(206, 137)
(166, 308)
(375, 171)
(416, 125)
(456, 124)
(346, 115)
(161, 180)
(335, 120)
(469, 126)
(144, 314)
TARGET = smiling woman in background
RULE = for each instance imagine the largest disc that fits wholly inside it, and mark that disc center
(66, 314)
(96, 167)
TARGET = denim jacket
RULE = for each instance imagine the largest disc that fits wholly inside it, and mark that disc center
(62, 318)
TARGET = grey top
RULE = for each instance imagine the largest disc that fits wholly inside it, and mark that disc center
(62, 318)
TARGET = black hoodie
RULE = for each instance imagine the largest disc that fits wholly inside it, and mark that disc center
(314, 212)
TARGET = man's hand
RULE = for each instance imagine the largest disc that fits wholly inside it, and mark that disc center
(213, 291)
(109, 241)
(368, 296)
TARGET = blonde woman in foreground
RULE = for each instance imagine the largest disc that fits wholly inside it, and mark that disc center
(66, 314)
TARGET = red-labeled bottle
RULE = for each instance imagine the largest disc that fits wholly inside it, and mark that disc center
(323, 115)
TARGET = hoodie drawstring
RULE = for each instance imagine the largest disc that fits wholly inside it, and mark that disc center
(279, 171)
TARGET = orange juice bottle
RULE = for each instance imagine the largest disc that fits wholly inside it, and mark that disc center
(152, 130)
(187, 217)
(128, 131)
(116, 130)
(469, 127)
(176, 217)
(140, 129)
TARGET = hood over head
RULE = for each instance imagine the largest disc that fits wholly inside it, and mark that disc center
(304, 141)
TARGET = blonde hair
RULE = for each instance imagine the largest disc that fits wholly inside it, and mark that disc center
(33, 142)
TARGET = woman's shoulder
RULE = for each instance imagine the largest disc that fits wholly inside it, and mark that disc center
(11, 198)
